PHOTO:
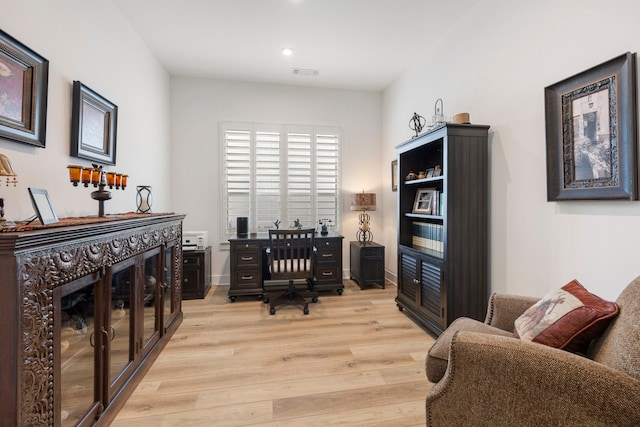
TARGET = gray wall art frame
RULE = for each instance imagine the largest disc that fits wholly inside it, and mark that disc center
(24, 83)
(591, 133)
(93, 126)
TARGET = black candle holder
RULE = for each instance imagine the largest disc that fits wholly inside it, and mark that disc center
(144, 198)
(100, 180)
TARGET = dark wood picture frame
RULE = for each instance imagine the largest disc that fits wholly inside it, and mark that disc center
(591, 133)
(43, 206)
(93, 126)
(24, 84)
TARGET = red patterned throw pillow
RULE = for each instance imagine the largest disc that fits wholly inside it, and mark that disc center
(568, 318)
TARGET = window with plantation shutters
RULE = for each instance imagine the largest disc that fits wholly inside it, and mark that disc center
(278, 172)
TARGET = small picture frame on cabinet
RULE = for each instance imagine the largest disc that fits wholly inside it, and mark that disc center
(437, 171)
(43, 206)
(424, 200)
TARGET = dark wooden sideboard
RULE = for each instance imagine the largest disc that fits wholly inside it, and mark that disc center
(248, 269)
(87, 307)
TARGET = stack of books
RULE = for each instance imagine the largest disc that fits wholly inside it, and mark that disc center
(428, 237)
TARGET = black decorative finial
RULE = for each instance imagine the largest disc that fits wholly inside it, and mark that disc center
(416, 123)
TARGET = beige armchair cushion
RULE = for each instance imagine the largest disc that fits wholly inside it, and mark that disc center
(502, 311)
(438, 355)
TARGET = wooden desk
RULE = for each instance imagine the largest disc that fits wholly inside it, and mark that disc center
(249, 269)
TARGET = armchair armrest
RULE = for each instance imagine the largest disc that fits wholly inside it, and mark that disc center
(504, 309)
(498, 381)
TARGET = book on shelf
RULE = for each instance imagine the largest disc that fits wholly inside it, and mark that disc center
(428, 236)
(436, 203)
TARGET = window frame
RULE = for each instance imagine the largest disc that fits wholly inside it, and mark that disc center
(227, 224)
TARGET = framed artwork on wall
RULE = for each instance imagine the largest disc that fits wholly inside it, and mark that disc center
(394, 175)
(591, 133)
(93, 126)
(24, 80)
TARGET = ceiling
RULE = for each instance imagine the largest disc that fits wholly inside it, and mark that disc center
(353, 44)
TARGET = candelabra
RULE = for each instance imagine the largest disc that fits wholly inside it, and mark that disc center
(100, 180)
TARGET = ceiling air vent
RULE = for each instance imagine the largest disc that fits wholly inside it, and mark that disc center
(305, 72)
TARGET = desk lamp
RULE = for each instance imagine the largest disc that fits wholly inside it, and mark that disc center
(364, 202)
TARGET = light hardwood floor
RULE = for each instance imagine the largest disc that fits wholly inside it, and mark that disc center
(355, 360)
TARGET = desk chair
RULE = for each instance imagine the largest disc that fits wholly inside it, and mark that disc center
(291, 256)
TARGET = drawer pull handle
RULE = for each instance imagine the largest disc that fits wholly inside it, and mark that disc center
(327, 273)
(326, 243)
(327, 255)
(247, 258)
(247, 277)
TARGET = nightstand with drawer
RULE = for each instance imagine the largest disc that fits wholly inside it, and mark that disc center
(367, 263)
(196, 273)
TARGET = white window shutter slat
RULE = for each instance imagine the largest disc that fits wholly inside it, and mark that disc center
(280, 172)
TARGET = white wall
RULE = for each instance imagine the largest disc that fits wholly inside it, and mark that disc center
(91, 42)
(199, 105)
(495, 64)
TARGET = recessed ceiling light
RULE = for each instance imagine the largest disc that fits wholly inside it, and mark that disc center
(287, 51)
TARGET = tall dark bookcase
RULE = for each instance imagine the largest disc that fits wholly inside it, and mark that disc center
(442, 225)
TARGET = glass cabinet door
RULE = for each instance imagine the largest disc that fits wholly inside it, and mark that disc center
(169, 283)
(119, 331)
(151, 299)
(78, 347)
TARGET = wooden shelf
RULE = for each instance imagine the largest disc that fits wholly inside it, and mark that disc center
(423, 216)
(423, 180)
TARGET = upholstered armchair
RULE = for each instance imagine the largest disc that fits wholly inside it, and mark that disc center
(486, 377)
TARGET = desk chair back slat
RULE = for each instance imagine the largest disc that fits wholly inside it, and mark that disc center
(291, 254)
